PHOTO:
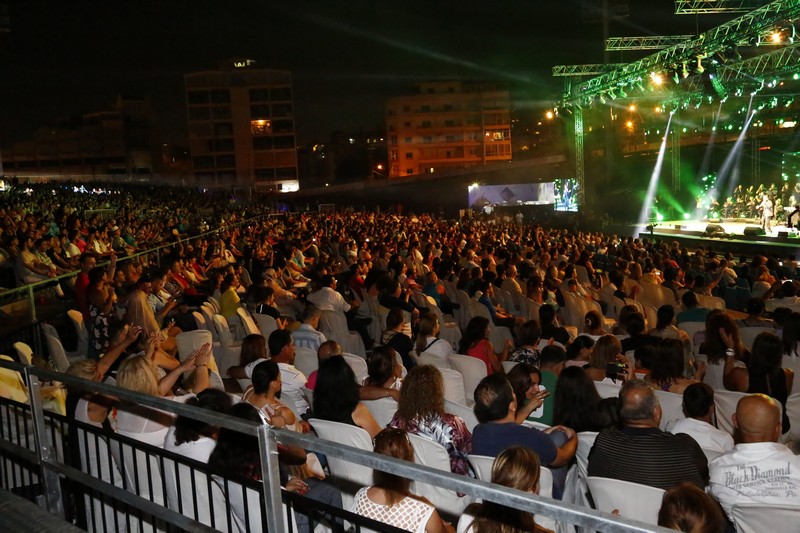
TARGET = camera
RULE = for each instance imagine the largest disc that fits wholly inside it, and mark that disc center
(615, 370)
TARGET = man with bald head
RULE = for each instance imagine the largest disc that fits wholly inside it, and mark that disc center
(640, 452)
(758, 469)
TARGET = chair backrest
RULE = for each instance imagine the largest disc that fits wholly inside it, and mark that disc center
(635, 501)
(250, 327)
(748, 335)
(189, 341)
(725, 402)
(214, 303)
(607, 390)
(711, 302)
(224, 332)
(508, 365)
(482, 464)
(793, 412)
(208, 316)
(382, 410)
(349, 477)
(461, 410)
(333, 325)
(757, 518)
(359, 366)
(57, 354)
(434, 455)
(76, 317)
(532, 309)
(12, 386)
(472, 369)
(671, 407)
(466, 311)
(305, 360)
(583, 275)
(200, 321)
(585, 443)
(266, 324)
(453, 386)
(24, 352)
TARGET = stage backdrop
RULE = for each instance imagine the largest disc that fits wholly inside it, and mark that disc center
(513, 194)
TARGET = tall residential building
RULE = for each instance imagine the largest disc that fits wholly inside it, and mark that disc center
(448, 124)
(241, 126)
(116, 142)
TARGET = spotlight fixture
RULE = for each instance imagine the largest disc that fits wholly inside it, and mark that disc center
(700, 68)
(684, 71)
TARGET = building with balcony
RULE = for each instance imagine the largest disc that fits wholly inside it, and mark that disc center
(115, 142)
(241, 126)
(448, 124)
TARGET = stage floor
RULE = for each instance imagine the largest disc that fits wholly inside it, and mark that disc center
(692, 233)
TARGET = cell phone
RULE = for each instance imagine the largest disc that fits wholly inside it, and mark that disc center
(613, 370)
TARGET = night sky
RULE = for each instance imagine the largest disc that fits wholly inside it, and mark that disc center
(62, 59)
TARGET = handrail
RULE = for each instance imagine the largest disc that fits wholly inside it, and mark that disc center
(269, 437)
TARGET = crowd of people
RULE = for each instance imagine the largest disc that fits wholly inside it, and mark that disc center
(294, 268)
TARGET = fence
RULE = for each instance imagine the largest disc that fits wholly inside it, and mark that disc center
(54, 459)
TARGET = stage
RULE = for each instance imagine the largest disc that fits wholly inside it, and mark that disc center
(724, 235)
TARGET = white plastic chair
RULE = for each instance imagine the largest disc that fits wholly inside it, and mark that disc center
(249, 325)
(305, 360)
(333, 325)
(349, 477)
(461, 410)
(472, 369)
(208, 315)
(231, 351)
(189, 341)
(508, 365)
(607, 390)
(12, 386)
(793, 412)
(749, 334)
(498, 335)
(214, 303)
(671, 407)
(24, 352)
(76, 317)
(266, 324)
(57, 353)
(359, 366)
(433, 454)
(454, 387)
(635, 501)
(757, 518)
(725, 402)
(382, 410)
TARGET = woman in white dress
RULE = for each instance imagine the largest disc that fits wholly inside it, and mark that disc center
(389, 499)
(430, 345)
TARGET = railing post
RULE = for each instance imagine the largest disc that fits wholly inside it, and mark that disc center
(270, 474)
(32, 303)
(45, 448)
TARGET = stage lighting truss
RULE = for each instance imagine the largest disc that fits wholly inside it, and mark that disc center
(656, 42)
(747, 28)
(703, 7)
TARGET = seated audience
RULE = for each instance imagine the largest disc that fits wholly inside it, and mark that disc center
(475, 343)
(336, 397)
(699, 409)
(689, 509)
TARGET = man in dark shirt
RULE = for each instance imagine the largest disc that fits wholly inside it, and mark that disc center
(640, 452)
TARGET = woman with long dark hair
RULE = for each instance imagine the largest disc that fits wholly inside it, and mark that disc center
(722, 348)
(336, 396)
(475, 343)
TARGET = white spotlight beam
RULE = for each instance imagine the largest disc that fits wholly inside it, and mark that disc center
(654, 177)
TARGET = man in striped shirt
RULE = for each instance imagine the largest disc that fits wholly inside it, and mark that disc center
(640, 452)
(307, 335)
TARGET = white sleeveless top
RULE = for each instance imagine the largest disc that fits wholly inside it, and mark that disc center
(408, 513)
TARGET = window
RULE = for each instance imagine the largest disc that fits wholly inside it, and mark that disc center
(393, 140)
(260, 127)
(426, 124)
(393, 155)
(409, 171)
(283, 126)
(427, 139)
(409, 155)
(407, 109)
(221, 112)
(199, 113)
(221, 145)
(426, 109)
(220, 96)
(450, 138)
(448, 107)
(407, 124)
(286, 172)
(284, 141)
(407, 140)
(259, 95)
(282, 110)
(281, 93)
(259, 111)
(197, 97)
(204, 161)
(223, 129)
(226, 161)
(262, 143)
(449, 123)
(264, 173)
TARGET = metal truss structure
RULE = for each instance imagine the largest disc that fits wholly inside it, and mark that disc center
(704, 7)
(584, 70)
(747, 27)
(645, 43)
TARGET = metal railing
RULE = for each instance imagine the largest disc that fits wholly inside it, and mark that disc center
(47, 465)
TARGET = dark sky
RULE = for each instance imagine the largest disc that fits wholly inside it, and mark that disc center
(65, 58)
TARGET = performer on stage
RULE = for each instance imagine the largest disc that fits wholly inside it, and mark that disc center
(767, 211)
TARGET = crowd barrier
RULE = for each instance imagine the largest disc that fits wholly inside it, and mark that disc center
(66, 467)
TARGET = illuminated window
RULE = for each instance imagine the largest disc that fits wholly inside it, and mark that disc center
(260, 127)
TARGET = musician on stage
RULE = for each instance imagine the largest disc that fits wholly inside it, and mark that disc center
(767, 209)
